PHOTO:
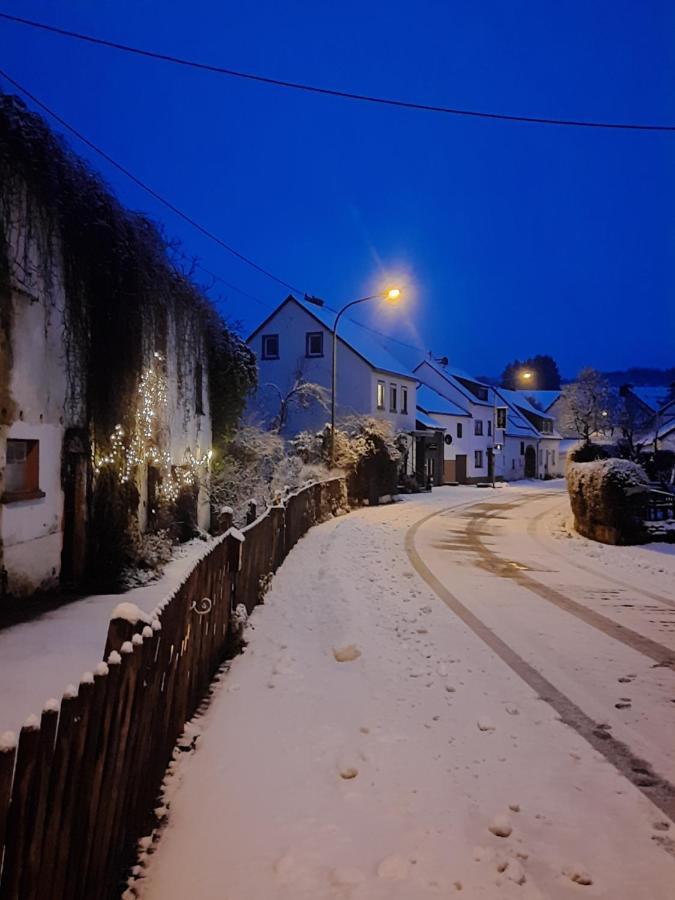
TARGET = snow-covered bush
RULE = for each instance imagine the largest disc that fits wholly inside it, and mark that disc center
(257, 465)
(603, 496)
(365, 449)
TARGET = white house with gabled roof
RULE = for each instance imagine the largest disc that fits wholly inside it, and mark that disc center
(469, 419)
(529, 439)
(295, 341)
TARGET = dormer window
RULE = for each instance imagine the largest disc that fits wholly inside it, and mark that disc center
(314, 344)
(270, 346)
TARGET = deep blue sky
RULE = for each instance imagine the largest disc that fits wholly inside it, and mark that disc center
(519, 239)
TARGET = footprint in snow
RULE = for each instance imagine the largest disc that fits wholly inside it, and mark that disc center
(346, 877)
(346, 654)
(485, 725)
(500, 826)
(393, 868)
(577, 874)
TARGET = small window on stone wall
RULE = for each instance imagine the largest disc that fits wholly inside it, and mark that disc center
(22, 471)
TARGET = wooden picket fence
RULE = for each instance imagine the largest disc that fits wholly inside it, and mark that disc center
(80, 786)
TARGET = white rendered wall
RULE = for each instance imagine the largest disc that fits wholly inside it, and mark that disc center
(356, 379)
(31, 530)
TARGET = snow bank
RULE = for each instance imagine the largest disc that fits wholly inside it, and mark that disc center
(602, 496)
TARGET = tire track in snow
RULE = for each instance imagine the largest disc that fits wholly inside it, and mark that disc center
(534, 533)
(639, 772)
(661, 654)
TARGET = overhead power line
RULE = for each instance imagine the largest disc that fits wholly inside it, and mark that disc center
(334, 92)
(153, 193)
(102, 153)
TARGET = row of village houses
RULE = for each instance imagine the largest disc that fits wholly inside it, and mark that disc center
(457, 426)
(76, 353)
(454, 427)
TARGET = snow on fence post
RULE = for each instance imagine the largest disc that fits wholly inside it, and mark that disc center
(126, 620)
(225, 518)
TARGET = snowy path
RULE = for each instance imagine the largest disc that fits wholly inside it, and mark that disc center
(387, 774)
(40, 657)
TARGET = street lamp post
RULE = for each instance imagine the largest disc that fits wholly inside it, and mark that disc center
(391, 296)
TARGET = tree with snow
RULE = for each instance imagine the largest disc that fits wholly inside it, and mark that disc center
(302, 394)
(588, 405)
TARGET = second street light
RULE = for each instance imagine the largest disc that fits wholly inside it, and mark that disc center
(390, 296)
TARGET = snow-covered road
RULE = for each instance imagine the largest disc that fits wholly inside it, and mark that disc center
(374, 743)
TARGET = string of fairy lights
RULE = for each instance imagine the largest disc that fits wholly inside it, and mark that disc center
(145, 444)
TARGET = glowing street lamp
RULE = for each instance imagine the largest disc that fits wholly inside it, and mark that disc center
(392, 295)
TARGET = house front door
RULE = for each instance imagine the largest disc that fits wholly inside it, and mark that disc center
(530, 462)
(460, 468)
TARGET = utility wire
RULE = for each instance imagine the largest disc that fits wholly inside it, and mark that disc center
(167, 203)
(183, 215)
(333, 92)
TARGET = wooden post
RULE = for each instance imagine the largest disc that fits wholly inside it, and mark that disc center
(21, 811)
(7, 757)
(50, 716)
(225, 519)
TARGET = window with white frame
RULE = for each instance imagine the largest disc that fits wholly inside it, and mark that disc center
(270, 346)
(380, 395)
(314, 344)
(489, 428)
(393, 397)
(501, 417)
(460, 430)
(404, 399)
(522, 448)
(478, 459)
(478, 426)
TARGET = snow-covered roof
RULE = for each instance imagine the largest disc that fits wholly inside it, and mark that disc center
(664, 429)
(428, 421)
(541, 400)
(431, 401)
(517, 424)
(652, 396)
(452, 376)
(522, 400)
(359, 338)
